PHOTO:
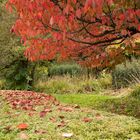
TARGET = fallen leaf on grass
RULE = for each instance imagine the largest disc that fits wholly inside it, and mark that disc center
(31, 114)
(98, 116)
(42, 114)
(22, 126)
(76, 106)
(61, 117)
(52, 119)
(47, 110)
(66, 109)
(40, 131)
(62, 124)
(67, 135)
(87, 120)
(8, 128)
(28, 100)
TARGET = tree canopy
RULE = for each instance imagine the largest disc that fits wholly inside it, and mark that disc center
(95, 33)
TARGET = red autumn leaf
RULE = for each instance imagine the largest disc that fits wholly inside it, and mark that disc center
(22, 126)
(42, 114)
(78, 13)
(27, 100)
(8, 128)
(66, 109)
(61, 117)
(53, 119)
(47, 110)
(72, 37)
(87, 119)
(124, 32)
(62, 124)
(51, 21)
(39, 15)
(76, 106)
(139, 27)
(98, 116)
(40, 131)
(31, 114)
(110, 2)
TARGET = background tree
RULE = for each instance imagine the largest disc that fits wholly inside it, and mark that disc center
(14, 67)
(8, 42)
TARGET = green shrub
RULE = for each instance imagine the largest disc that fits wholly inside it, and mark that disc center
(41, 73)
(64, 69)
(105, 81)
(136, 92)
(18, 77)
(127, 74)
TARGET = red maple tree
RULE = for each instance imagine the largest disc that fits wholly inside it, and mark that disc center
(95, 33)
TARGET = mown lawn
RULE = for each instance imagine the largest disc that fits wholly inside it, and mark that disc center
(85, 100)
(81, 123)
(127, 105)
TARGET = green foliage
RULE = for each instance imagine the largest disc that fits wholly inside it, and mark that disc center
(3, 2)
(10, 52)
(14, 67)
(8, 40)
(41, 73)
(18, 76)
(136, 92)
(64, 69)
(127, 74)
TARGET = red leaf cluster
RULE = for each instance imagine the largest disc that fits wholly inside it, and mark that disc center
(65, 108)
(82, 30)
(78, 29)
(87, 119)
(22, 126)
(28, 100)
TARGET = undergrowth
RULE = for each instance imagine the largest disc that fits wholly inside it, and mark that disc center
(67, 84)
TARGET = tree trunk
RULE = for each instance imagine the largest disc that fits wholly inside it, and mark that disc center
(32, 74)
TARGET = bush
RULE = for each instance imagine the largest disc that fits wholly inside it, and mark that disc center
(127, 74)
(18, 77)
(41, 73)
(20, 73)
(136, 92)
(64, 69)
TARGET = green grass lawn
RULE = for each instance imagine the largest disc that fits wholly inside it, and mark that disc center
(127, 105)
(83, 123)
(85, 100)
